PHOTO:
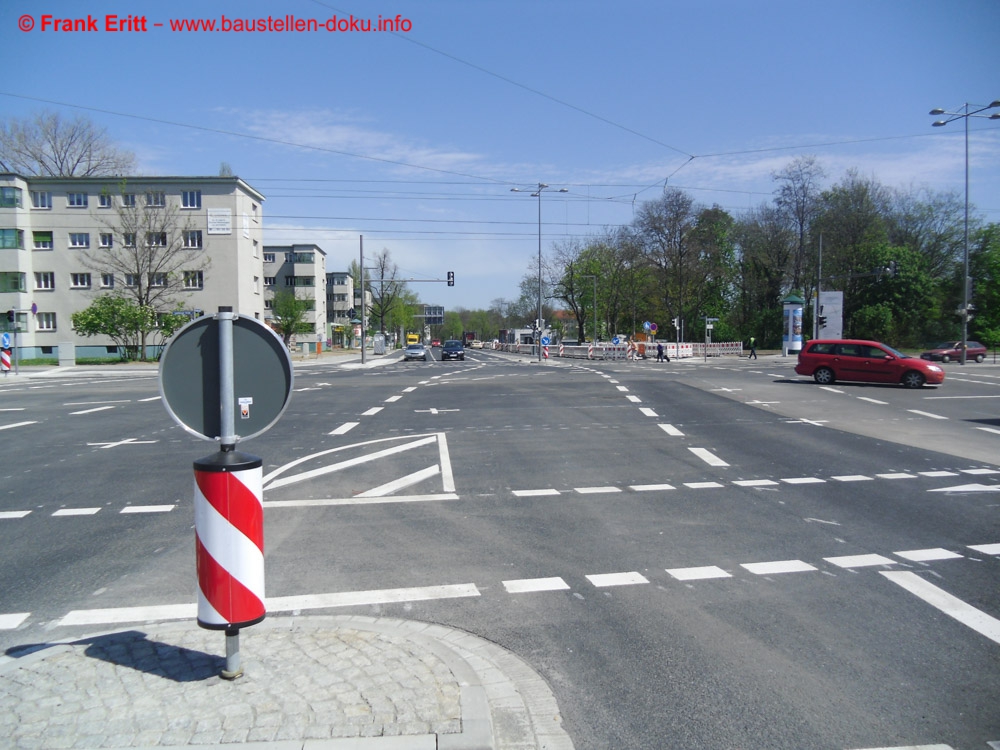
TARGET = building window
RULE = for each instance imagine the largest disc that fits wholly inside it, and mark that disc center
(191, 199)
(11, 281)
(155, 199)
(12, 239)
(194, 280)
(305, 280)
(79, 280)
(41, 199)
(256, 284)
(268, 304)
(128, 200)
(41, 240)
(269, 257)
(269, 281)
(45, 321)
(131, 280)
(45, 280)
(78, 240)
(76, 200)
(192, 239)
(289, 281)
(107, 240)
(128, 239)
(105, 200)
(158, 279)
(254, 212)
(289, 257)
(10, 197)
(256, 249)
(107, 281)
(156, 239)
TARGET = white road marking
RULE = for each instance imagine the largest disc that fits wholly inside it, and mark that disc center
(77, 512)
(925, 414)
(969, 488)
(358, 500)
(128, 441)
(754, 482)
(927, 555)
(634, 399)
(531, 585)
(397, 484)
(650, 487)
(980, 471)
(698, 574)
(392, 399)
(372, 412)
(622, 388)
(913, 747)
(617, 579)
(938, 473)
(859, 561)
(873, 400)
(91, 411)
(596, 490)
(411, 389)
(447, 477)
(897, 475)
(671, 430)
(702, 485)
(989, 429)
(16, 424)
(14, 513)
(832, 390)
(820, 520)
(535, 493)
(648, 412)
(853, 478)
(778, 566)
(345, 428)
(803, 480)
(13, 621)
(147, 508)
(708, 457)
(986, 549)
(152, 398)
(14, 408)
(952, 606)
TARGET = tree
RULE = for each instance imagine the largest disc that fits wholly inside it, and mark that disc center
(385, 286)
(289, 315)
(47, 145)
(125, 322)
(798, 199)
(147, 254)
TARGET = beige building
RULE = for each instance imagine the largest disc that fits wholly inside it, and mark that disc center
(50, 226)
(300, 269)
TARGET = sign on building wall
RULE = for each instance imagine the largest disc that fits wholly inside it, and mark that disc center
(220, 221)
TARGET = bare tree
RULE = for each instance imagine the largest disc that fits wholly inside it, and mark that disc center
(798, 198)
(147, 254)
(386, 287)
(47, 145)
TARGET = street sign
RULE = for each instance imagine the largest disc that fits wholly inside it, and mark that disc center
(616, 341)
(653, 328)
(5, 341)
(190, 377)
(545, 340)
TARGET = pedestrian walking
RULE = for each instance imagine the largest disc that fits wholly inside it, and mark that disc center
(753, 348)
(659, 352)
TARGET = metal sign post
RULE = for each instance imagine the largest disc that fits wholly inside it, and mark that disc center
(242, 363)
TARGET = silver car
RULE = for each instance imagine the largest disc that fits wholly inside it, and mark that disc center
(415, 351)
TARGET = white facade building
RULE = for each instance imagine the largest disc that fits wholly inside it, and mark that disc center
(48, 225)
(300, 269)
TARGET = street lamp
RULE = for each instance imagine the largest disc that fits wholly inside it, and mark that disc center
(965, 114)
(538, 194)
(589, 276)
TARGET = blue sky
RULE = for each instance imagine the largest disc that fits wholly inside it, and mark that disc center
(414, 139)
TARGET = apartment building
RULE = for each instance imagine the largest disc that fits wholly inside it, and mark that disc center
(53, 231)
(300, 269)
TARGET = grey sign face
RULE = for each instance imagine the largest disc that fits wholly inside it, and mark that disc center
(190, 378)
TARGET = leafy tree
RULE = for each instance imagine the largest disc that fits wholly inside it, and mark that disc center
(122, 320)
(984, 268)
(289, 315)
(47, 145)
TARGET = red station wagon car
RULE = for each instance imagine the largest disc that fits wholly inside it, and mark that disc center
(828, 361)
(947, 351)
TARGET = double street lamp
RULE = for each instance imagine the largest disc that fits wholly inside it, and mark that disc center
(966, 112)
(538, 194)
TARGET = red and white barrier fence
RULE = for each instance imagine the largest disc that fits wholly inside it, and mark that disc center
(643, 350)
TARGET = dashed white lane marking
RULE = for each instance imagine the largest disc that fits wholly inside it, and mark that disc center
(754, 482)
(14, 513)
(778, 566)
(634, 399)
(853, 478)
(933, 474)
(648, 412)
(535, 493)
(989, 429)
(952, 606)
(708, 457)
(76, 512)
(859, 561)
(13, 621)
(913, 747)
(151, 398)
(980, 471)
(925, 414)
(803, 480)
(147, 508)
(601, 580)
(531, 585)
(873, 400)
(832, 390)
(671, 430)
(345, 428)
(16, 424)
(90, 411)
(927, 555)
(698, 574)
(648, 487)
(372, 412)
(986, 549)
(411, 389)
(622, 388)
(392, 399)
(702, 485)
(897, 475)
(596, 490)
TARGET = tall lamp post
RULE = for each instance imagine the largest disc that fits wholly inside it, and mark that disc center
(965, 114)
(590, 276)
(538, 194)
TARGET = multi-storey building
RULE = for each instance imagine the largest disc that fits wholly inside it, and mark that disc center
(53, 229)
(339, 304)
(300, 269)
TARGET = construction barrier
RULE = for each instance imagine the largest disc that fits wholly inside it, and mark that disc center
(643, 350)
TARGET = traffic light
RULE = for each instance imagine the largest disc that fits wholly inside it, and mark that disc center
(822, 321)
(10, 316)
(451, 278)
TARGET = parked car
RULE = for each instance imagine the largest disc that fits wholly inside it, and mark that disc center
(452, 349)
(435, 343)
(946, 351)
(415, 351)
(828, 361)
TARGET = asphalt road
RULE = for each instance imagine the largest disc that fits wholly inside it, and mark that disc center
(693, 554)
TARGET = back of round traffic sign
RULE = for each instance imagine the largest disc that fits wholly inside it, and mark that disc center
(190, 377)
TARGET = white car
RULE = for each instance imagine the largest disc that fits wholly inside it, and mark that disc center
(415, 351)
